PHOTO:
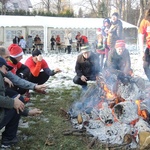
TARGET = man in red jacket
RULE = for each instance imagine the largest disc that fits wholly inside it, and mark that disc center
(36, 63)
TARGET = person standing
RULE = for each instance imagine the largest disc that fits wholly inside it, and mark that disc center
(115, 31)
(78, 38)
(144, 31)
(87, 67)
(23, 44)
(52, 42)
(29, 43)
(68, 40)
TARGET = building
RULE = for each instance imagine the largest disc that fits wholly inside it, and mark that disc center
(12, 5)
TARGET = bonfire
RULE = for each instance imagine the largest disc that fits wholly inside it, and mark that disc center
(115, 111)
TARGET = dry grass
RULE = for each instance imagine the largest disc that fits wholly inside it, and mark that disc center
(45, 132)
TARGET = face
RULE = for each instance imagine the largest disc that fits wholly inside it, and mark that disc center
(6, 55)
(86, 55)
(4, 69)
(114, 18)
(19, 58)
(120, 50)
(35, 59)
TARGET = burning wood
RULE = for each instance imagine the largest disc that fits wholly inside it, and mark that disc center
(113, 107)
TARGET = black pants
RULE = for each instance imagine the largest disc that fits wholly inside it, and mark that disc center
(41, 79)
(146, 63)
(69, 49)
(77, 80)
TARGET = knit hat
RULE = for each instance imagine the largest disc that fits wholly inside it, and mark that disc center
(15, 50)
(120, 43)
(115, 14)
(36, 52)
(3, 62)
(106, 20)
(85, 49)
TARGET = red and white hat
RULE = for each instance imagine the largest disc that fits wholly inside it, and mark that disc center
(120, 43)
(98, 31)
(15, 50)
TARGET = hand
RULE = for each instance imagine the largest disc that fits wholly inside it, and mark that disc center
(39, 57)
(57, 70)
(41, 87)
(18, 104)
(35, 112)
(83, 78)
(8, 82)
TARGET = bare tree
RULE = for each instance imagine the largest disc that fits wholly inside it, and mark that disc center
(3, 2)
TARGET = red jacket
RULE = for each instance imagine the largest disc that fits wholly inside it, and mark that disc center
(35, 68)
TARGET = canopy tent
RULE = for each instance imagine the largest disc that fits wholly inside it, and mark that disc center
(54, 22)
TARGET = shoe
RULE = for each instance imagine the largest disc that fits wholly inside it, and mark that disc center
(26, 99)
(27, 94)
(5, 143)
(41, 92)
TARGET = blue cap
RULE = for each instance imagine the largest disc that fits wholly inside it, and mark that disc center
(3, 62)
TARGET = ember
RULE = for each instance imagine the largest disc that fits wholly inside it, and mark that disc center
(113, 109)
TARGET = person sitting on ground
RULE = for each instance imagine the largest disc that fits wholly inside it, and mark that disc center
(13, 79)
(36, 63)
(87, 67)
(10, 111)
(16, 54)
(119, 59)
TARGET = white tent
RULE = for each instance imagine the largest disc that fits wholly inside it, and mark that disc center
(54, 22)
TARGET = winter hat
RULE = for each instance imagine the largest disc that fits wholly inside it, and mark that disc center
(99, 31)
(85, 49)
(15, 50)
(120, 43)
(106, 20)
(3, 62)
(115, 14)
(36, 52)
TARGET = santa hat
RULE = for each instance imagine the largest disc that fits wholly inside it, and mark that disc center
(15, 50)
(120, 43)
(99, 31)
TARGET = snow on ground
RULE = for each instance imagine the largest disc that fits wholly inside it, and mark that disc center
(66, 62)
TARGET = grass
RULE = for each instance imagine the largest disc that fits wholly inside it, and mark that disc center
(45, 132)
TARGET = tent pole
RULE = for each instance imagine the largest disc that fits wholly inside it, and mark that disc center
(45, 39)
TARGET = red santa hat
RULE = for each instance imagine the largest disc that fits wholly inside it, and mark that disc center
(120, 43)
(99, 31)
(15, 50)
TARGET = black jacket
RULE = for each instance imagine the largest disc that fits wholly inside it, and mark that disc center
(87, 67)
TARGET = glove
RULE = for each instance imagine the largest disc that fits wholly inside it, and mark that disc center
(39, 57)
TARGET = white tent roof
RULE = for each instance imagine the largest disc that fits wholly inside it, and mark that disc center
(55, 22)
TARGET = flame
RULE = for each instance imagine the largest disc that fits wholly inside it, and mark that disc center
(109, 95)
(142, 113)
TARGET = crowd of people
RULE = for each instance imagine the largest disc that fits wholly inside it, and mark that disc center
(16, 78)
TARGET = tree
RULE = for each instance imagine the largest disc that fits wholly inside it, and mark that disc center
(80, 14)
(3, 9)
